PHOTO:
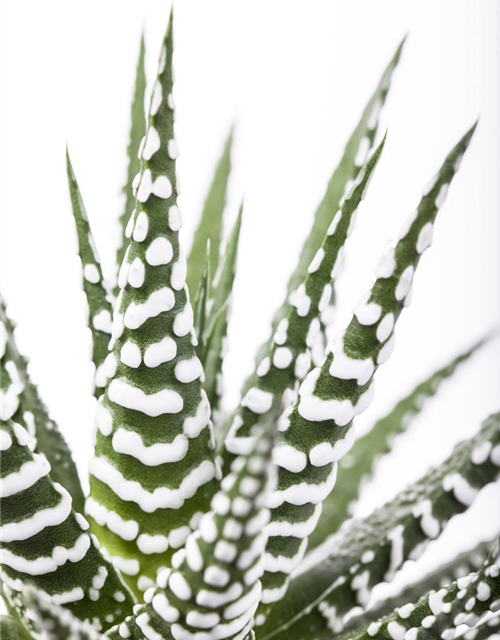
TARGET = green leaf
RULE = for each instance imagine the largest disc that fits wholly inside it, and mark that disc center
(10, 629)
(153, 472)
(99, 298)
(289, 357)
(488, 630)
(210, 225)
(357, 466)
(316, 434)
(214, 584)
(340, 574)
(57, 623)
(467, 562)
(218, 319)
(354, 156)
(201, 304)
(440, 614)
(45, 544)
(137, 130)
(21, 402)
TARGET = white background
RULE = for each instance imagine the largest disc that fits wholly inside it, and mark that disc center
(294, 77)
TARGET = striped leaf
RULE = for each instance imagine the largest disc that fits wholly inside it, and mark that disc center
(317, 433)
(218, 320)
(99, 298)
(57, 623)
(440, 614)
(340, 574)
(46, 545)
(210, 225)
(289, 358)
(137, 130)
(19, 400)
(153, 473)
(357, 467)
(467, 562)
(213, 589)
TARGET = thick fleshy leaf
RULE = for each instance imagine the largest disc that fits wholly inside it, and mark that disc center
(467, 562)
(489, 630)
(218, 319)
(288, 360)
(353, 158)
(316, 433)
(45, 545)
(340, 574)
(99, 298)
(137, 130)
(210, 225)
(440, 614)
(10, 629)
(21, 402)
(57, 623)
(153, 473)
(214, 585)
(358, 465)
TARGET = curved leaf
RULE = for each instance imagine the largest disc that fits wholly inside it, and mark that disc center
(358, 465)
(21, 402)
(99, 298)
(340, 574)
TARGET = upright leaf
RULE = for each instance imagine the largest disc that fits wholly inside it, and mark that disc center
(357, 466)
(218, 319)
(289, 358)
(99, 298)
(153, 473)
(19, 400)
(316, 434)
(46, 545)
(214, 584)
(137, 129)
(340, 574)
(10, 629)
(210, 225)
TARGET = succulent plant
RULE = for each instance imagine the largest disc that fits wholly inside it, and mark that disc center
(206, 526)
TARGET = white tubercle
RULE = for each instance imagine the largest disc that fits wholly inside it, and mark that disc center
(130, 354)
(325, 453)
(5, 440)
(159, 301)
(160, 498)
(367, 313)
(125, 529)
(173, 150)
(301, 301)
(316, 261)
(347, 368)
(315, 409)
(441, 197)
(462, 490)
(159, 252)
(136, 273)
(102, 321)
(160, 352)
(91, 273)
(104, 419)
(333, 226)
(179, 272)
(188, 370)
(257, 400)
(156, 98)
(385, 327)
(152, 544)
(151, 144)
(161, 187)
(374, 116)
(289, 458)
(407, 224)
(303, 492)
(404, 284)
(386, 264)
(425, 237)
(110, 365)
(280, 335)
(264, 366)
(174, 218)
(183, 322)
(282, 357)
(141, 227)
(154, 404)
(28, 474)
(131, 443)
(362, 152)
